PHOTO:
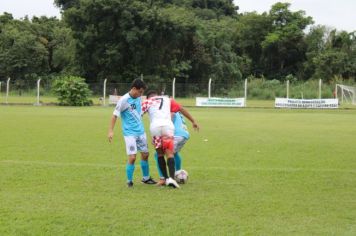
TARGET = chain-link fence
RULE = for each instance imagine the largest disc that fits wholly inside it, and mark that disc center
(25, 92)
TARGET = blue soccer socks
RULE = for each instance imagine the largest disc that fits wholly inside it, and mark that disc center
(145, 169)
(130, 168)
(177, 161)
(158, 168)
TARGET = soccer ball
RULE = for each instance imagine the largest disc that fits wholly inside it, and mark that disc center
(181, 176)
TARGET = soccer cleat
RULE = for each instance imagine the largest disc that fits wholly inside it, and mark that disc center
(171, 182)
(148, 181)
(130, 184)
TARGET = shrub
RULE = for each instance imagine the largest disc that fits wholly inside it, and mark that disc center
(72, 91)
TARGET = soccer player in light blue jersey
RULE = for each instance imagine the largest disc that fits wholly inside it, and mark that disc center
(129, 109)
(181, 136)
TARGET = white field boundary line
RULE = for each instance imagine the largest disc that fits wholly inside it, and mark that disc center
(98, 165)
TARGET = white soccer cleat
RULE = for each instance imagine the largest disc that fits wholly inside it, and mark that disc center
(171, 182)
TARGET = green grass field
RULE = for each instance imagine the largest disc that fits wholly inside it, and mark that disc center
(261, 172)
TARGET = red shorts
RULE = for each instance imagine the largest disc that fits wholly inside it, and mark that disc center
(164, 142)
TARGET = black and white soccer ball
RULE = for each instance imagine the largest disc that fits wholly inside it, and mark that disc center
(181, 176)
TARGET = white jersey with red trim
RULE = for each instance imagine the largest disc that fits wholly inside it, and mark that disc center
(159, 110)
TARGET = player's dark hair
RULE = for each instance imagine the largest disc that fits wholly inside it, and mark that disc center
(138, 84)
(151, 93)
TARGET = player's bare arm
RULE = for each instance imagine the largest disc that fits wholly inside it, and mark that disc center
(111, 128)
(190, 117)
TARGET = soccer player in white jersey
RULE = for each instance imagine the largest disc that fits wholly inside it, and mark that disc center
(129, 109)
(162, 131)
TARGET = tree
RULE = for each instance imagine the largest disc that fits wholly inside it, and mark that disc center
(188, 39)
(5, 18)
(335, 57)
(66, 4)
(22, 56)
(284, 47)
(121, 40)
(250, 33)
(40, 47)
(219, 7)
(57, 39)
(217, 36)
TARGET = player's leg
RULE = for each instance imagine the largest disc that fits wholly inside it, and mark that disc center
(156, 132)
(142, 146)
(158, 169)
(179, 142)
(170, 163)
(177, 161)
(168, 146)
(146, 178)
(161, 163)
(131, 151)
(130, 168)
(162, 180)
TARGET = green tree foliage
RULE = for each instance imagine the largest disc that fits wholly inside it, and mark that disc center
(32, 48)
(192, 40)
(284, 47)
(72, 91)
(217, 36)
(330, 53)
(66, 4)
(218, 8)
(161, 39)
(22, 55)
(58, 41)
(122, 39)
(251, 31)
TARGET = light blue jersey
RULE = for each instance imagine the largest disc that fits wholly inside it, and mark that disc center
(180, 128)
(129, 109)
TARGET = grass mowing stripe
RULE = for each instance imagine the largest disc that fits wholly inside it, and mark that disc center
(190, 167)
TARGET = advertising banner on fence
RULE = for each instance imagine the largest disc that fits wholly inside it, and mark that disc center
(306, 103)
(113, 99)
(220, 102)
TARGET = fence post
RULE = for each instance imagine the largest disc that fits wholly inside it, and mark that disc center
(7, 90)
(319, 88)
(104, 92)
(342, 96)
(174, 88)
(245, 92)
(209, 88)
(38, 93)
(142, 77)
(287, 88)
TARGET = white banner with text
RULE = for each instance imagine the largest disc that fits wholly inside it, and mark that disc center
(306, 103)
(220, 102)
